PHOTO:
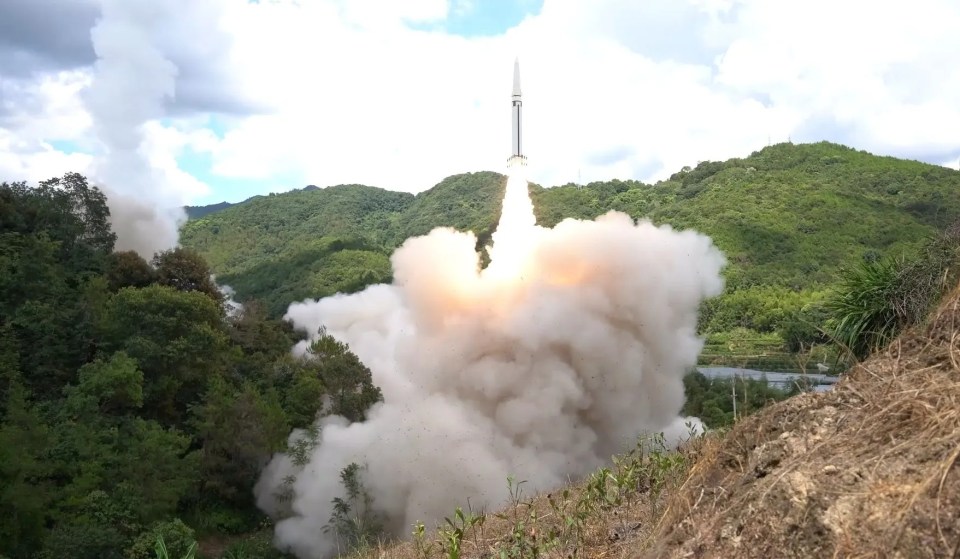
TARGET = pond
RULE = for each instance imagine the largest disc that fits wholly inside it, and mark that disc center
(820, 381)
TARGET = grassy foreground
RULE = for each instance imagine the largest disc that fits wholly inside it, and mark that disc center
(606, 515)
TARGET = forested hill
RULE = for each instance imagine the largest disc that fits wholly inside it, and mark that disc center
(195, 212)
(788, 215)
(308, 243)
(131, 405)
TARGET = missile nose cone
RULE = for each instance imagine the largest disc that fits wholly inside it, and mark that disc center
(516, 77)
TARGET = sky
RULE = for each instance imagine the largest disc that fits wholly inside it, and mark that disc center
(225, 99)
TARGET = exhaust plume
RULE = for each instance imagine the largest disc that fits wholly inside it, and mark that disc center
(566, 348)
(131, 81)
(232, 307)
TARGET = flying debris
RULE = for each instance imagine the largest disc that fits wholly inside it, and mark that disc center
(516, 158)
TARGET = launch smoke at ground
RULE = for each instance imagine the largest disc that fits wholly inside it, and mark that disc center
(569, 345)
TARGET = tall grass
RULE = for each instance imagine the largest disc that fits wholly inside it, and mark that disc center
(863, 313)
(163, 553)
(877, 300)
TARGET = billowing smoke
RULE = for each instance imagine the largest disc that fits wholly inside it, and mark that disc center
(130, 83)
(232, 307)
(566, 348)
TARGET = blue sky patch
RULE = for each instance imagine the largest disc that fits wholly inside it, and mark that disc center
(66, 146)
(228, 188)
(211, 121)
(483, 18)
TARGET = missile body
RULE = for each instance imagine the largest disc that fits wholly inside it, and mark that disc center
(516, 157)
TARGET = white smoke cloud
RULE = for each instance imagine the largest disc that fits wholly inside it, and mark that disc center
(131, 81)
(541, 368)
(232, 307)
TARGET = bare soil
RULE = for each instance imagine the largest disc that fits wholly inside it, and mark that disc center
(869, 469)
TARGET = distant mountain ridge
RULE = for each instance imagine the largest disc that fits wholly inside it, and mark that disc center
(196, 212)
(787, 215)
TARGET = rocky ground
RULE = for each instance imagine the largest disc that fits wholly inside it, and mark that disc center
(866, 470)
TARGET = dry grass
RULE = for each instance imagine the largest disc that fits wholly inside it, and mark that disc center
(866, 470)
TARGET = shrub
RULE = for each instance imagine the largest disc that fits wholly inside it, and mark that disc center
(177, 538)
(876, 300)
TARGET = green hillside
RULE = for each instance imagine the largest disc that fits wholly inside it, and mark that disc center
(789, 214)
(306, 243)
(788, 217)
(468, 202)
(196, 212)
(314, 242)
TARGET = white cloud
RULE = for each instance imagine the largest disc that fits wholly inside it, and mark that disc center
(612, 88)
(376, 13)
(36, 161)
(33, 114)
(47, 108)
(161, 147)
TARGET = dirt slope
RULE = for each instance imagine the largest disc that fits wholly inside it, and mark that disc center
(869, 469)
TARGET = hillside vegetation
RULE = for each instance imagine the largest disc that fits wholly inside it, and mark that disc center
(788, 217)
(132, 406)
(306, 243)
(194, 212)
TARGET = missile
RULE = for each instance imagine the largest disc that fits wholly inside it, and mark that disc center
(516, 158)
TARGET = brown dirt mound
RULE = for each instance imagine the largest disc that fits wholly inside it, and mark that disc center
(866, 470)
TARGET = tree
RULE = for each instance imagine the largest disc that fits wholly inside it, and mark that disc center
(347, 381)
(178, 539)
(354, 522)
(101, 526)
(302, 390)
(185, 270)
(110, 386)
(803, 328)
(129, 269)
(101, 372)
(239, 431)
(103, 446)
(51, 314)
(69, 210)
(54, 242)
(88, 205)
(26, 491)
(178, 340)
(262, 342)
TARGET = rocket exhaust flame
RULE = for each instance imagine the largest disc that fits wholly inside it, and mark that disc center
(569, 345)
(516, 232)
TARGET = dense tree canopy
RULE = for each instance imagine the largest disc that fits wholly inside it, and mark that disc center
(129, 399)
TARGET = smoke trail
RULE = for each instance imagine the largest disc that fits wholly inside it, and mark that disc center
(571, 343)
(232, 307)
(130, 83)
